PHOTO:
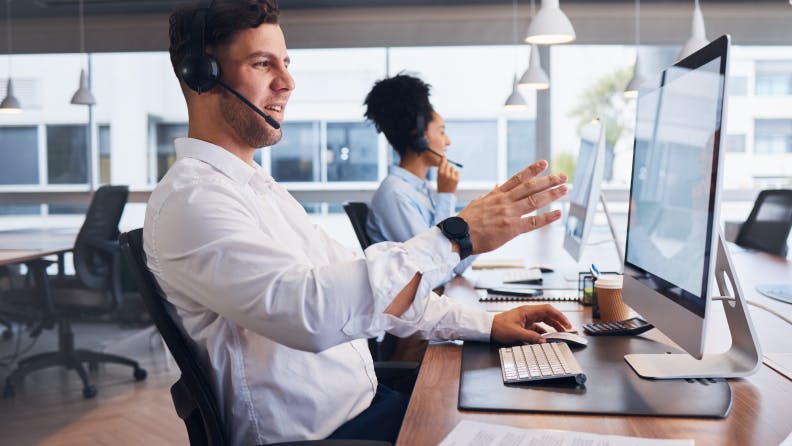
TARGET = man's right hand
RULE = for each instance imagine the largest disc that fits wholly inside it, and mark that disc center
(447, 177)
(499, 216)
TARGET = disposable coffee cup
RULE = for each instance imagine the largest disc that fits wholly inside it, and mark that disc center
(609, 299)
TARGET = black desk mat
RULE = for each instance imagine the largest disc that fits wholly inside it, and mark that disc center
(612, 386)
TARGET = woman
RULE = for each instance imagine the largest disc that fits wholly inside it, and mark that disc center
(405, 203)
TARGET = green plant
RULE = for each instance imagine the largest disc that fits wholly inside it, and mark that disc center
(605, 100)
(564, 162)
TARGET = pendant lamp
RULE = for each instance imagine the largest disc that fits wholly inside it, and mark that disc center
(550, 26)
(698, 35)
(515, 101)
(535, 77)
(10, 103)
(631, 91)
(83, 95)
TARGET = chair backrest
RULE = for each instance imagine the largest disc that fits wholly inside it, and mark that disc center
(192, 395)
(358, 214)
(93, 265)
(769, 223)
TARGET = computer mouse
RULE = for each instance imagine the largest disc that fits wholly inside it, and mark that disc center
(570, 338)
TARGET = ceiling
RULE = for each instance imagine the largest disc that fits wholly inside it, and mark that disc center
(51, 26)
(58, 8)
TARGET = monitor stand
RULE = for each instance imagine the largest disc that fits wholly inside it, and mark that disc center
(619, 250)
(743, 357)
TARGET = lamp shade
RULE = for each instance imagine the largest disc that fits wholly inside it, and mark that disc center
(698, 35)
(534, 77)
(550, 26)
(83, 95)
(515, 100)
(10, 103)
(631, 91)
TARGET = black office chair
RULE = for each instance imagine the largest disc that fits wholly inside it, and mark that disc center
(192, 394)
(769, 223)
(358, 214)
(94, 290)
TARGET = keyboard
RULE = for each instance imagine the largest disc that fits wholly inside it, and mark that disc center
(522, 275)
(535, 362)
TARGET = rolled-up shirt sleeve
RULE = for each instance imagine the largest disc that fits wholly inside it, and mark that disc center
(259, 277)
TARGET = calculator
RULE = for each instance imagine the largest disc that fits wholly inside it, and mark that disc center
(629, 327)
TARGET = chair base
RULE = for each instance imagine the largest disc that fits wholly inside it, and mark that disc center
(71, 358)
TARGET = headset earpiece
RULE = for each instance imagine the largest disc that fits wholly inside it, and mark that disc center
(199, 70)
(420, 144)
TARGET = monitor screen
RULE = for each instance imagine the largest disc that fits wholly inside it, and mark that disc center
(585, 188)
(673, 198)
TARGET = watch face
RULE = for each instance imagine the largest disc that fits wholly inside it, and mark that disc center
(456, 226)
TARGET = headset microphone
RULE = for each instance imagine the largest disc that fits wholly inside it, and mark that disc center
(275, 124)
(420, 143)
(201, 72)
(440, 155)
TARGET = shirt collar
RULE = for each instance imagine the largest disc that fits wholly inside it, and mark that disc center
(219, 158)
(408, 177)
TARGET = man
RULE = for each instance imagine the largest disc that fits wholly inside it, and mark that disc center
(278, 309)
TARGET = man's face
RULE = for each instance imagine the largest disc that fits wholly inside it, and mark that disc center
(255, 63)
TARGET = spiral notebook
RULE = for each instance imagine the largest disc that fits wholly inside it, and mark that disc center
(506, 293)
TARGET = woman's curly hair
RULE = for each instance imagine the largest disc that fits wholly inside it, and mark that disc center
(396, 105)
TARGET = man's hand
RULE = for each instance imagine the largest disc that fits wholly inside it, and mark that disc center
(520, 324)
(447, 177)
(497, 217)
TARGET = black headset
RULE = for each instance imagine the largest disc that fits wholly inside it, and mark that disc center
(201, 72)
(419, 143)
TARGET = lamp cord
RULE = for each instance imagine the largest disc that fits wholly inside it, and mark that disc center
(8, 35)
(514, 33)
(762, 306)
(82, 28)
(637, 24)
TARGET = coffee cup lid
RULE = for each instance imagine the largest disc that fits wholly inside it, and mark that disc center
(609, 281)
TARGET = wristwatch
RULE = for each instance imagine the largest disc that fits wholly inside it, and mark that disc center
(456, 229)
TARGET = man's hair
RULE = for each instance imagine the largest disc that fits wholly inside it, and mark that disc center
(224, 19)
(394, 104)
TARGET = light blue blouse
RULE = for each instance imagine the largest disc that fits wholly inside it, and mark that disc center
(404, 206)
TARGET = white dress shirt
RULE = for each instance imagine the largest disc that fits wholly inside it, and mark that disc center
(404, 206)
(278, 309)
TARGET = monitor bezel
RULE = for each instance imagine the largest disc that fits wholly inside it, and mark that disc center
(592, 132)
(654, 298)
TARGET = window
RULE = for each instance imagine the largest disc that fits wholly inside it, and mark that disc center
(521, 149)
(104, 154)
(19, 155)
(164, 150)
(735, 143)
(67, 154)
(773, 136)
(351, 151)
(296, 156)
(774, 78)
(475, 145)
(738, 85)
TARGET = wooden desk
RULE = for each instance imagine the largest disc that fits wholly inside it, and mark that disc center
(761, 412)
(30, 247)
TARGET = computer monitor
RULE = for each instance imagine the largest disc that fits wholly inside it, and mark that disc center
(673, 243)
(585, 188)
